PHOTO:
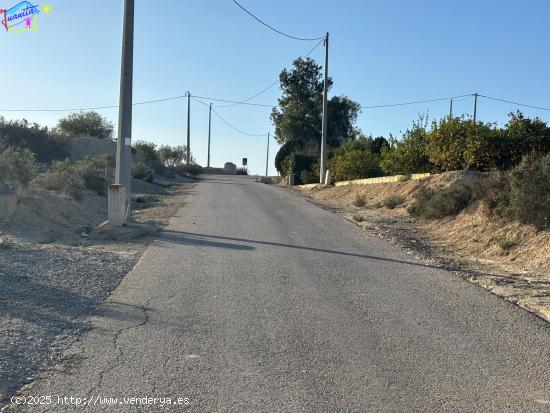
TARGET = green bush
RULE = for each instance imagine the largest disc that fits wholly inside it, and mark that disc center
(86, 124)
(241, 171)
(529, 191)
(505, 239)
(70, 181)
(496, 198)
(148, 149)
(286, 152)
(305, 166)
(410, 154)
(444, 202)
(47, 146)
(355, 164)
(173, 156)
(192, 170)
(94, 172)
(17, 166)
(309, 177)
(73, 178)
(393, 201)
(365, 144)
(142, 171)
(360, 200)
(522, 137)
(459, 143)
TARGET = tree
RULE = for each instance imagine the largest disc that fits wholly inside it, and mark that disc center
(148, 149)
(342, 115)
(17, 166)
(86, 124)
(459, 143)
(354, 164)
(297, 120)
(523, 136)
(363, 143)
(410, 154)
(47, 146)
(379, 144)
(529, 197)
(172, 156)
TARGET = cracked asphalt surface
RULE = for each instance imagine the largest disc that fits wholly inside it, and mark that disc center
(255, 300)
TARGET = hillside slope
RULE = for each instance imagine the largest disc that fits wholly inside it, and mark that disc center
(510, 259)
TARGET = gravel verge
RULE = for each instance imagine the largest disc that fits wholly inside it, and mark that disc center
(46, 296)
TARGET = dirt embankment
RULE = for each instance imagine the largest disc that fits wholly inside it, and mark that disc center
(509, 259)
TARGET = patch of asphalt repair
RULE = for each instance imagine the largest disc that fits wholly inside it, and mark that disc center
(46, 298)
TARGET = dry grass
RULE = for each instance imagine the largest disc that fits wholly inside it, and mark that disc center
(521, 253)
(163, 207)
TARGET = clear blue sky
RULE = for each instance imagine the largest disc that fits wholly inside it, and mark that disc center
(381, 52)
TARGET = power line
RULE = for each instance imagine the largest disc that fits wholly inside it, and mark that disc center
(462, 99)
(251, 97)
(229, 124)
(273, 28)
(413, 102)
(145, 102)
(272, 84)
(234, 101)
(514, 103)
(245, 102)
(313, 48)
(237, 129)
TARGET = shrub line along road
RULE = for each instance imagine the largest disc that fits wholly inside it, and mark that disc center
(254, 300)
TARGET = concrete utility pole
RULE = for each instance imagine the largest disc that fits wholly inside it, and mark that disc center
(451, 109)
(267, 156)
(323, 161)
(188, 127)
(123, 176)
(475, 107)
(209, 129)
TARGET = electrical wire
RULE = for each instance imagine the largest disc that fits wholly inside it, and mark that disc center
(234, 127)
(313, 48)
(250, 98)
(237, 129)
(245, 102)
(234, 101)
(412, 103)
(514, 103)
(462, 99)
(273, 28)
(224, 121)
(272, 84)
(145, 102)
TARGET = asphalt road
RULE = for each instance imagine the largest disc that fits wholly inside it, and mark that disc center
(255, 300)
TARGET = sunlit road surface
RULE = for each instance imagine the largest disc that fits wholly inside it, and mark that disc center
(255, 300)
